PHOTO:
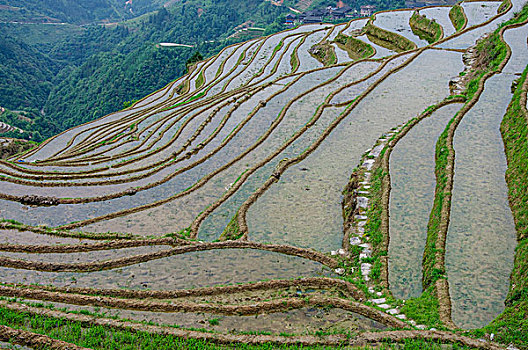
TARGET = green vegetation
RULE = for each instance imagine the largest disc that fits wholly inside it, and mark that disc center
(127, 104)
(15, 147)
(105, 337)
(199, 80)
(232, 230)
(324, 52)
(512, 325)
(77, 77)
(491, 52)
(214, 321)
(387, 39)
(425, 28)
(373, 227)
(195, 58)
(458, 17)
(294, 62)
(71, 11)
(355, 48)
(423, 309)
(503, 6)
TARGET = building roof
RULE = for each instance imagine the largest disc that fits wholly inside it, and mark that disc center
(313, 19)
(343, 10)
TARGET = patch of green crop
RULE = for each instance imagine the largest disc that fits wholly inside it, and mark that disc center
(423, 309)
(512, 324)
(458, 18)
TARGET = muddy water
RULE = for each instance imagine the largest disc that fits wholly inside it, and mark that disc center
(412, 165)
(305, 203)
(478, 12)
(342, 55)
(85, 257)
(355, 25)
(298, 321)
(26, 237)
(294, 119)
(469, 38)
(249, 134)
(398, 22)
(441, 16)
(215, 223)
(481, 237)
(190, 270)
(516, 38)
(380, 50)
(306, 61)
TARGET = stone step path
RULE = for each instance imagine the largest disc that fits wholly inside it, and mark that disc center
(358, 237)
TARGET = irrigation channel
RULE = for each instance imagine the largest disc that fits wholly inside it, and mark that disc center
(287, 185)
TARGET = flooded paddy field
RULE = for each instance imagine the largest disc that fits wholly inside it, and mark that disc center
(274, 191)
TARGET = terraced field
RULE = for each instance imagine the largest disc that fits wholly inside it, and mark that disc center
(328, 185)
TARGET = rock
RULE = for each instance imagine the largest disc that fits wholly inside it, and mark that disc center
(401, 316)
(360, 217)
(421, 326)
(379, 294)
(341, 252)
(376, 151)
(362, 202)
(39, 200)
(131, 192)
(340, 271)
(384, 306)
(333, 252)
(393, 311)
(368, 164)
(355, 240)
(379, 301)
(365, 268)
(364, 256)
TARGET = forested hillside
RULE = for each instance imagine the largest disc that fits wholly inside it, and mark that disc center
(62, 67)
(69, 80)
(72, 11)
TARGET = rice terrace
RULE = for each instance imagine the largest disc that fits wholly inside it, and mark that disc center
(352, 185)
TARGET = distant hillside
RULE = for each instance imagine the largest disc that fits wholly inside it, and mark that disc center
(74, 76)
(73, 11)
(25, 75)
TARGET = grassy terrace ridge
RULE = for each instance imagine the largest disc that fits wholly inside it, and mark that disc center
(493, 54)
(207, 106)
(112, 336)
(324, 52)
(458, 17)
(512, 325)
(356, 49)
(388, 39)
(425, 28)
